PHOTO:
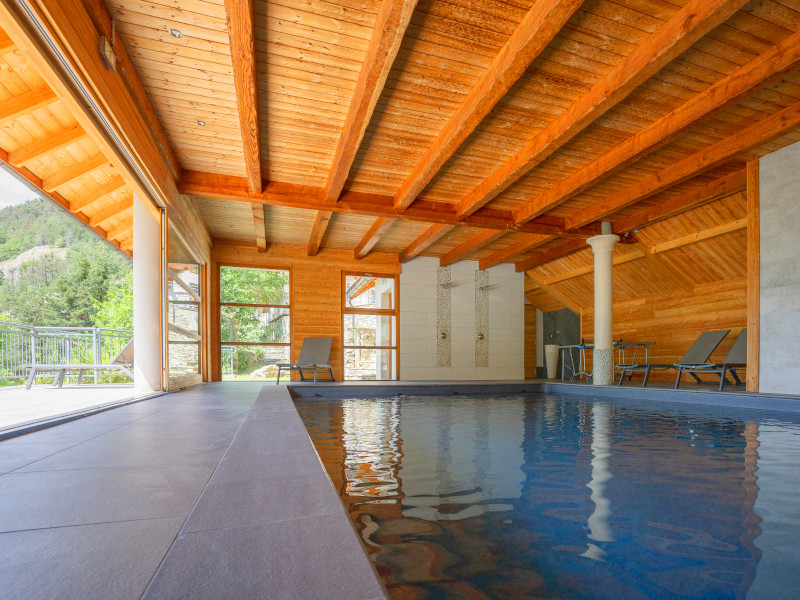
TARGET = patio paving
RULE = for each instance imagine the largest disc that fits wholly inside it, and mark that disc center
(19, 406)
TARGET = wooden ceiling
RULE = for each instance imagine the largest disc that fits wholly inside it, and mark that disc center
(497, 131)
(41, 140)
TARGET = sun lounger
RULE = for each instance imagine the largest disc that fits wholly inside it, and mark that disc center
(122, 362)
(314, 355)
(735, 361)
(698, 354)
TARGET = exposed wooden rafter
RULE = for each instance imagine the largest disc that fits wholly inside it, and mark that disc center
(68, 175)
(714, 190)
(241, 31)
(550, 255)
(670, 40)
(227, 187)
(471, 244)
(101, 191)
(112, 211)
(372, 236)
(429, 237)
(541, 24)
(757, 134)
(513, 250)
(26, 103)
(321, 222)
(387, 35)
(35, 150)
(555, 294)
(745, 81)
(259, 226)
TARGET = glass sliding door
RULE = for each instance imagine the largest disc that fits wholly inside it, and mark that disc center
(184, 330)
(255, 322)
(370, 324)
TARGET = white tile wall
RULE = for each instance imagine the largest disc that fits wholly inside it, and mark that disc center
(418, 323)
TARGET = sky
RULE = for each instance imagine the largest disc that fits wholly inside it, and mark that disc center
(12, 191)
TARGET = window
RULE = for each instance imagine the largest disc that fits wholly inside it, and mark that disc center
(370, 326)
(255, 322)
(183, 310)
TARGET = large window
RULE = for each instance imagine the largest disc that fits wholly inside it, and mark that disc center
(370, 326)
(255, 322)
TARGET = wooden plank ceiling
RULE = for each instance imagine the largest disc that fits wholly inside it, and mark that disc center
(497, 131)
(41, 140)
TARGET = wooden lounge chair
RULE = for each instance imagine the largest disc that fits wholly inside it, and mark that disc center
(735, 361)
(698, 354)
(121, 362)
(314, 355)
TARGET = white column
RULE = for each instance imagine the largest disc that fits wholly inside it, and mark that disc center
(603, 353)
(146, 298)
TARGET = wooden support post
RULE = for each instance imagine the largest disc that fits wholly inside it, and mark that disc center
(753, 275)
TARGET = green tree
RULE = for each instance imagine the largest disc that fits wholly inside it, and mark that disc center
(116, 311)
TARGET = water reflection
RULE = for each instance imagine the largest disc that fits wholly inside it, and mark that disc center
(549, 497)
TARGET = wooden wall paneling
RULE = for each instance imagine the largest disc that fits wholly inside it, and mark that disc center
(753, 275)
(674, 320)
(530, 341)
(560, 297)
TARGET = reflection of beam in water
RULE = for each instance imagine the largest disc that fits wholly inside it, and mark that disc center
(599, 527)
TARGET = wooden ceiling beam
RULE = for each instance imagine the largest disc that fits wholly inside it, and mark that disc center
(712, 156)
(321, 222)
(719, 188)
(534, 33)
(260, 226)
(700, 236)
(669, 41)
(35, 150)
(26, 103)
(429, 237)
(72, 173)
(513, 250)
(471, 244)
(241, 31)
(121, 228)
(747, 80)
(565, 249)
(373, 236)
(228, 187)
(110, 186)
(6, 43)
(662, 269)
(104, 215)
(387, 35)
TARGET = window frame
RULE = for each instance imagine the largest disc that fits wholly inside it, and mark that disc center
(220, 304)
(391, 312)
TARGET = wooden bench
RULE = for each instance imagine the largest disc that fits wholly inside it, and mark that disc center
(61, 371)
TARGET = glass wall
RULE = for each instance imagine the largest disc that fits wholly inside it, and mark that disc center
(183, 311)
(370, 326)
(255, 322)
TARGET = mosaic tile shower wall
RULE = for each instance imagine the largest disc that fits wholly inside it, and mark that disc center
(481, 318)
(443, 316)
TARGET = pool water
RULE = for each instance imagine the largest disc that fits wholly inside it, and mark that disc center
(548, 497)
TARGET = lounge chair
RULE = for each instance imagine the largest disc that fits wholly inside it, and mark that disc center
(698, 354)
(735, 361)
(314, 354)
(121, 362)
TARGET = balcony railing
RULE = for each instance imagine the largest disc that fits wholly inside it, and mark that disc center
(23, 345)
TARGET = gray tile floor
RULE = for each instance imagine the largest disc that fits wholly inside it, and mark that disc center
(214, 492)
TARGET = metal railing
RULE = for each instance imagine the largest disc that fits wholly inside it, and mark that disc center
(22, 345)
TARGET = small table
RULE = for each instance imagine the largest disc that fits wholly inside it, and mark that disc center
(567, 352)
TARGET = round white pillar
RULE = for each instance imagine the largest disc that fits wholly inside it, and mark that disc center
(603, 354)
(146, 299)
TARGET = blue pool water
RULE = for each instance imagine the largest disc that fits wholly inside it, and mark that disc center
(548, 497)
